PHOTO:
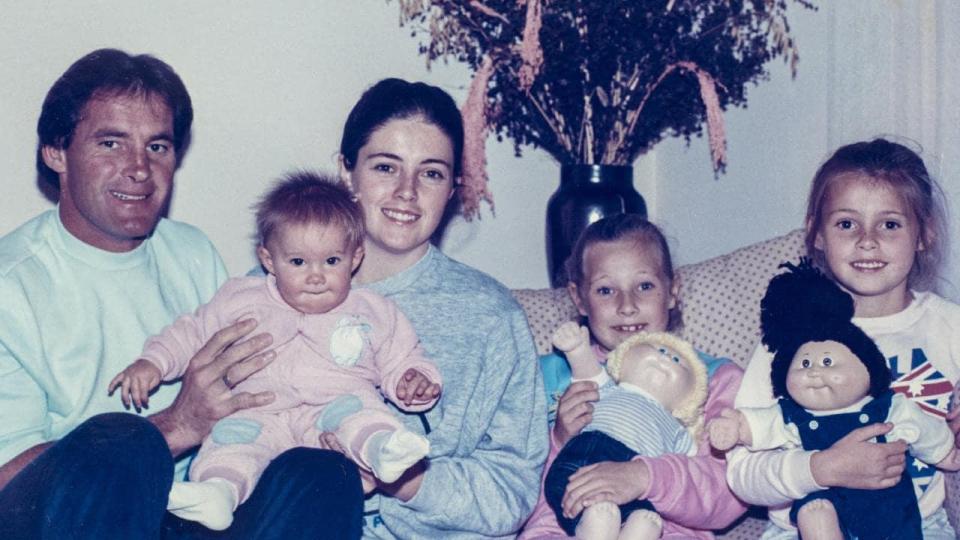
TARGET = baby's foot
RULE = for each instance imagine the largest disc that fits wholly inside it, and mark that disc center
(210, 502)
(391, 453)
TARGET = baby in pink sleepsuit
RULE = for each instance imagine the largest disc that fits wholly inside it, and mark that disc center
(334, 348)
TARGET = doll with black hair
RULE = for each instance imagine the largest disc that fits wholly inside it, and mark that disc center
(830, 379)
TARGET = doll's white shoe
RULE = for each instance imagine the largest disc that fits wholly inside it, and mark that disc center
(818, 520)
(210, 502)
(642, 525)
(600, 521)
(391, 453)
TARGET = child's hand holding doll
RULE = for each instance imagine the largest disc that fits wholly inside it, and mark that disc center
(831, 379)
(651, 404)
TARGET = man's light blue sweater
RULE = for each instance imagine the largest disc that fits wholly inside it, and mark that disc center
(73, 316)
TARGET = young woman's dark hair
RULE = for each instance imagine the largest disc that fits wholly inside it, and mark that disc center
(392, 99)
(105, 73)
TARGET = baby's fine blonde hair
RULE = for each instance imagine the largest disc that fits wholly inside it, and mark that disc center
(690, 411)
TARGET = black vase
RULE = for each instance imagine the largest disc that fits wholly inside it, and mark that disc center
(586, 194)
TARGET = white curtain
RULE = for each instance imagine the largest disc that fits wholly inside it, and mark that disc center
(895, 70)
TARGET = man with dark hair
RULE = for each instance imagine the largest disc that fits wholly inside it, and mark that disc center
(109, 73)
(83, 286)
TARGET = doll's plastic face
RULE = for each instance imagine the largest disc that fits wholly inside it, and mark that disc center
(659, 371)
(826, 375)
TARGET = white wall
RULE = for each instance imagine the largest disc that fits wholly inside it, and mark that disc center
(867, 69)
(272, 83)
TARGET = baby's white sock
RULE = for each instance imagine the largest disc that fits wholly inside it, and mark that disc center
(390, 453)
(210, 502)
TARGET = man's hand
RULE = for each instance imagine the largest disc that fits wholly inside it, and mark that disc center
(575, 410)
(618, 482)
(856, 462)
(416, 388)
(206, 389)
(135, 383)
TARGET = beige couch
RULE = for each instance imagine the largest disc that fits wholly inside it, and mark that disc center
(720, 301)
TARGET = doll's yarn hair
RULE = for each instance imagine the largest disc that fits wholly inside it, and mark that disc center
(690, 412)
(803, 305)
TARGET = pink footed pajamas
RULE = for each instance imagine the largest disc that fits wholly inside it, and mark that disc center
(325, 376)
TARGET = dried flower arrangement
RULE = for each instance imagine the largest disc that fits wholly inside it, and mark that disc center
(599, 81)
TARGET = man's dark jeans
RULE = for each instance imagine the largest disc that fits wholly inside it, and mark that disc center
(109, 478)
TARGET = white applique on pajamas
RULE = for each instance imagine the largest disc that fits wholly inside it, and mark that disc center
(348, 339)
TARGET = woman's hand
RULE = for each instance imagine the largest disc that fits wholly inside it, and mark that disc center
(329, 441)
(404, 488)
(575, 410)
(407, 486)
(205, 390)
(858, 463)
(614, 481)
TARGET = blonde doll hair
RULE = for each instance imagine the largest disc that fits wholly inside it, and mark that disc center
(690, 411)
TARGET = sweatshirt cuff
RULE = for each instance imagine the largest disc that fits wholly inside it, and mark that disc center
(600, 378)
(651, 473)
(166, 374)
(800, 466)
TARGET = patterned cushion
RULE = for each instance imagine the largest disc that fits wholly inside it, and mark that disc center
(720, 301)
(546, 309)
(748, 528)
(720, 297)
(952, 504)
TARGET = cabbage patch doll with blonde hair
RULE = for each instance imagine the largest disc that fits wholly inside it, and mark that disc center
(651, 403)
(831, 379)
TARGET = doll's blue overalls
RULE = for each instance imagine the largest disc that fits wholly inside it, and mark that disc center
(864, 514)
